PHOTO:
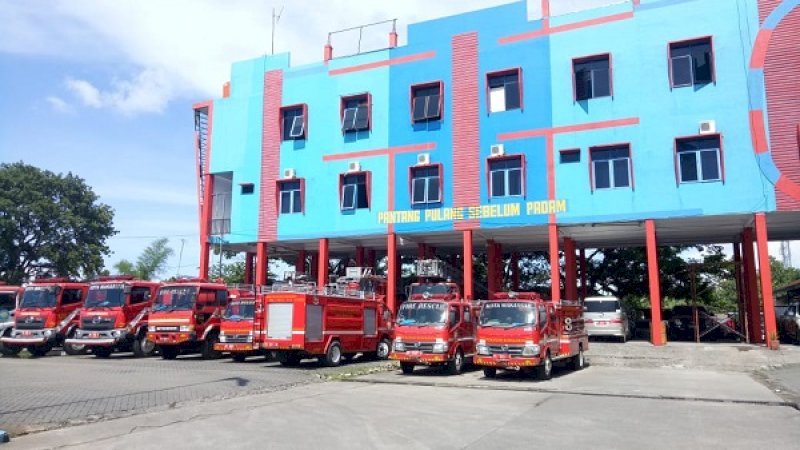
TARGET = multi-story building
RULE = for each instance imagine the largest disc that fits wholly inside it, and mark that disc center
(599, 128)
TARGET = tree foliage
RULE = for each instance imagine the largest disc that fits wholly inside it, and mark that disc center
(50, 224)
(150, 264)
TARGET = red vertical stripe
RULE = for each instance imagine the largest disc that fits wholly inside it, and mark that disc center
(270, 156)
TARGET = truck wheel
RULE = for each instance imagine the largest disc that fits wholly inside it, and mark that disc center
(168, 351)
(143, 347)
(103, 352)
(384, 347)
(208, 346)
(407, 368)
(74, 349)
(288, 359)
(40, 350)
(9, 351)
(333, 357)
(489, 372)
(238, 357)
(455, 365)
(577, 361)
(544, 371)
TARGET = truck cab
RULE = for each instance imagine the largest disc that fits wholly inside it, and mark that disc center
(242, 328)
(46, 316)
(186, 316)
(789, 323)
(521, 331)
(9, 300)
(114, 317)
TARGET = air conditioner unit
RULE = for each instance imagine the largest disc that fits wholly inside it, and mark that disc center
(497, 150)
(708, 127)
(288, 173)
(354, 166)
(423, 158)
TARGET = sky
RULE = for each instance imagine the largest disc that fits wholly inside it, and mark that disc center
(104, 89)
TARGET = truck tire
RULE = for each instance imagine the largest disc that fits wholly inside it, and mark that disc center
(40, 350)
(489, 372)
(288, 358)
(456, 365)
(544, 371)
(208, 346)
(143, 347)
(103, 352)
(384, 348)
(333, 357)
(407, 368)
(239, 357)
(8, 350)
(169, 351)
(73, 349)
(578, 362)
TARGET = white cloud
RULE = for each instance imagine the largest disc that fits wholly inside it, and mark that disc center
(85, 92)
(148, 91)
(59, 105)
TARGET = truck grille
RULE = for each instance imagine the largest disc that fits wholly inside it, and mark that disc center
(505, 349)
(30, 323)
(97, 324)
(236, 339)
(424, 347)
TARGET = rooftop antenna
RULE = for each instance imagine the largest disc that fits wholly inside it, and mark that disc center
(275, 19)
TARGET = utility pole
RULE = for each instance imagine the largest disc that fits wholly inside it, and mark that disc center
(180, 259)
(275, 19)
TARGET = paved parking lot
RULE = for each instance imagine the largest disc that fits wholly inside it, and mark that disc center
(48, 392)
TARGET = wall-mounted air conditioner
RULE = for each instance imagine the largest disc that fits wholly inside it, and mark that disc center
(288, 173)
(497, 150)
(423, 159)
(354, 166)
(708, 127)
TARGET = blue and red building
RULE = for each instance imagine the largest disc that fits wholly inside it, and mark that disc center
(640, 123)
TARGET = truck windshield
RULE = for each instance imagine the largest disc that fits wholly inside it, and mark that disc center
(602, 306)
(507, 314)
(39, 297)
(239, 311)
(7, 304)
(175, 298)
(422, 313)
(418, 290)
(105, 297)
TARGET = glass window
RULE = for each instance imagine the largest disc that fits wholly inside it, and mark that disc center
(139, 295)
(221, 203)
(425, 185)
(611, 167)
(72, 296)
(506, 177)
(247, 188)
(290, 197)
(592, 77)
(699, 159)
(293, 120)
(570, 156)
(426, 103)
(691, 63)
(354, 192)
(355, 116)
(504, 92)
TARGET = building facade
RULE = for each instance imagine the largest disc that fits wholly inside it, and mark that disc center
(633, 124)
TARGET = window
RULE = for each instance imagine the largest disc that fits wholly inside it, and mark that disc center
(221, 203)
(290, 197)
(426, 102)
(698, 159)
(247, 188)
(139, 295)
(592, 77)
(355, 113)
(293, 122)
(572, 155)
(504, 90)
(71, 296)
(505, 177)
(691, 62)
(467, 315)
(426, 185)
(354, 191)
(611, 167)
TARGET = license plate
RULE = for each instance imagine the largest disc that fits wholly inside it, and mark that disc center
(503, 357)
(414, 353)
(27, 333)
(601, 324)
(94, 335)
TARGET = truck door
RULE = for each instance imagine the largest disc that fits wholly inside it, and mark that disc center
(137, 300)
(553, 325)
(467, 330)
(70, 300)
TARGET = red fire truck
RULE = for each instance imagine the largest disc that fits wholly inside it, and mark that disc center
(242, 328)
(338, 321)
(47, 315)
(435, 326)
(9, 300)
(523, 331)
(186, 316)
(114, 317)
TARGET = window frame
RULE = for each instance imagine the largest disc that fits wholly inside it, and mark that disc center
(720, 161)
(588, 58)
(281, 117)
(278, 191)
(431, 84)
(368, 185)
(499, 73)
(632, 179)
(695, 40)
(569, 151)
(250, 186)
(523, 176)
(346, 98)
(411, 169)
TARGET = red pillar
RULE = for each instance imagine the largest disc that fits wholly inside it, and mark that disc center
(765, 271)
(371, 258)
(555, 267)
(300, 262)
(313, 265)
(359, 256)
(205, 227)
(262, 264)
(571, 290)
(584, 276)
(654, 278)
(248, 268)
(392, 39)
(322, 263)
(205, 259)
(422, 251)
(737, 277)
(391, 272)
(515, 271)
(751, 281)
(491, 268)
(431, 253)
(328, 53)
(468, 293)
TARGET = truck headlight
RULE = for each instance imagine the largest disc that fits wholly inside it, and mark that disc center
(530, 350)
(116, 333)
(440, 347)
(186, 328)
(399, 346)
(483, 349)
(48, 333)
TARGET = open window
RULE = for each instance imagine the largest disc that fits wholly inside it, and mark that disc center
(294, 122)
(506, 176)
(691, 62)
(504, 90)
(698, 159)
(355, 113)
(426, 184)
(592, 77)
(426, 102)
(354, 191)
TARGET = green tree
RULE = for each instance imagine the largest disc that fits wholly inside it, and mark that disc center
(782, 275)
(50, 224)
(231, 273)
(150, 264)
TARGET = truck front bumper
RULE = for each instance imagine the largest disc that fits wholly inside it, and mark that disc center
(21, 338)
(98, 338)
(235, 347)
(171, 338)
(504, 361)
(418, 357)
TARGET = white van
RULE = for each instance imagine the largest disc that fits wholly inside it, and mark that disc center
(603, 316)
